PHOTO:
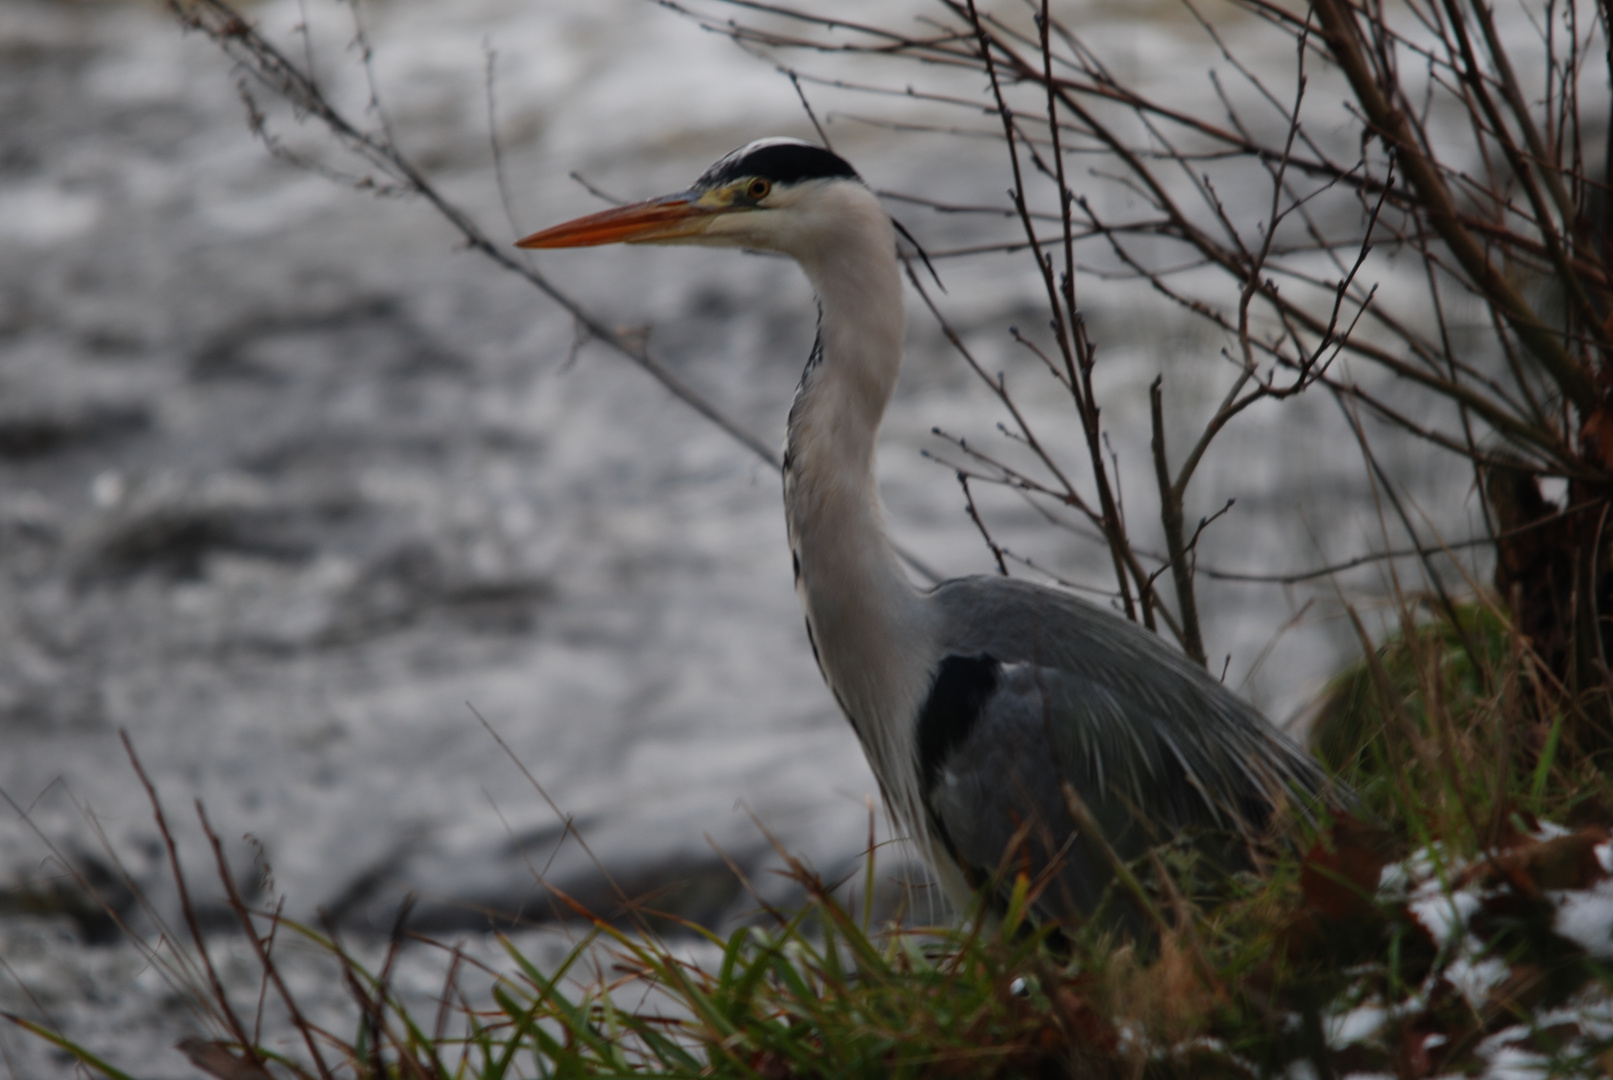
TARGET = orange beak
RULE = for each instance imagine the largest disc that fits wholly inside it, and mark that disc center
(655, 221)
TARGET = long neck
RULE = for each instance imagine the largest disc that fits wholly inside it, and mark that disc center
(864, 615)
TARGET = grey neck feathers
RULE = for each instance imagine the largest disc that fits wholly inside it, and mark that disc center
(869, 624)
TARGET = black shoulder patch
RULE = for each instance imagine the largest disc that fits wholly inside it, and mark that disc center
(783, 161)
(961, 688)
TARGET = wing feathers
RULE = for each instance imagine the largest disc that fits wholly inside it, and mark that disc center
(1038, 689)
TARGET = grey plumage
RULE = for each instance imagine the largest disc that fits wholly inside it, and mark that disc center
(975, 702)
(1154, 746)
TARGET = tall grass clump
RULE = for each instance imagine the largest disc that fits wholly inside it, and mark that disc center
(1461, 924)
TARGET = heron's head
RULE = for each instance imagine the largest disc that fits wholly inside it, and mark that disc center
(772, 195)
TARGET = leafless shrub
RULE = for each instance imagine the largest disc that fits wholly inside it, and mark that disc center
(1470, 177)
(1467, 178)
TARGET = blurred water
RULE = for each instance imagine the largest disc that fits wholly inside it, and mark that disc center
(293, 490)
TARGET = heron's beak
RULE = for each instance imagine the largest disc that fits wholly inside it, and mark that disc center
(658, 221)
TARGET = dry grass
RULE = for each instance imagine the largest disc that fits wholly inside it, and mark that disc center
(1336, 959)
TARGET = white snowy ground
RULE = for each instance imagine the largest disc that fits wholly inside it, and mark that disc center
(1462, 907)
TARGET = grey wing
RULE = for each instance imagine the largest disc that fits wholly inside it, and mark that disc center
(1038, 690)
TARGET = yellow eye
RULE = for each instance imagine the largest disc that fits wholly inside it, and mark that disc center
(758, 189)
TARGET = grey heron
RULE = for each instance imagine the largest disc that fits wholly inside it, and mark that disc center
(981, 701)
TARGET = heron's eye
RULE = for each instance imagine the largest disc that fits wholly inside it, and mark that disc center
(758, 189)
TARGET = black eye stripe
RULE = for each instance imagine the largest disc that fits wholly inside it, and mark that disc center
(785, 162)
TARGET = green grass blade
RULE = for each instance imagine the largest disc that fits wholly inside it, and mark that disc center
(1548, 756)
(81, 1055)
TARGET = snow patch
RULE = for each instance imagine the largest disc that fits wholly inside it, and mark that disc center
(1443, 915)
(1585, 917)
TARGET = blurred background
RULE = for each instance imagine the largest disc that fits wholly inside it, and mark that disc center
(298, 492)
